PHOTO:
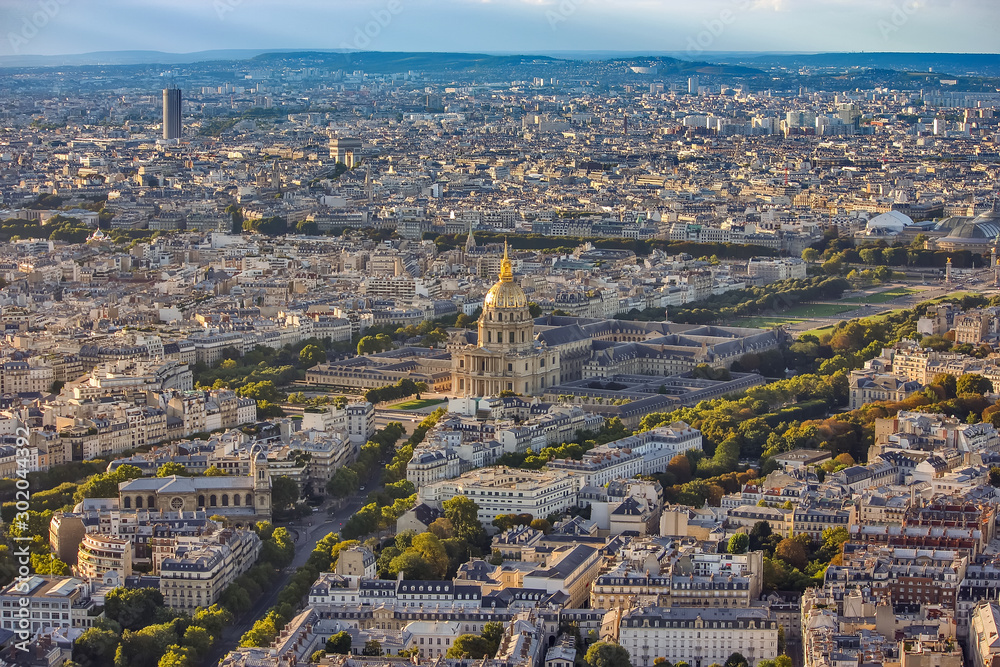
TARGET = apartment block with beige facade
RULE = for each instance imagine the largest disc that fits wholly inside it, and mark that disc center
(196, 575)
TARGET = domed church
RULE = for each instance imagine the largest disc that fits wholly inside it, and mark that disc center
(505, 356)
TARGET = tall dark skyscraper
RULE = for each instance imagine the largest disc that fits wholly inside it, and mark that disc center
(171, 113)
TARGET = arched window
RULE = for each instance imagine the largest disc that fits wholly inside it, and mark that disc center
(128, 502)
(236, 499)
(249, 500)
(138, 502)
(212, 500)
(225, 500)
(151, 502)
(201, 501)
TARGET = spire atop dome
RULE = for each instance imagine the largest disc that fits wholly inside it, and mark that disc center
(506, 269)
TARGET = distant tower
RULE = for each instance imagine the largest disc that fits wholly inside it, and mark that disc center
(470, 242)
(171, 113)
(261, 478)
(693, 85)
(947, 272)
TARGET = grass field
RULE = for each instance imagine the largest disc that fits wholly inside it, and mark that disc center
(818, 332)
(882, 297)
(764, 322)
(808, 310)
(952, 295)
(417, 404)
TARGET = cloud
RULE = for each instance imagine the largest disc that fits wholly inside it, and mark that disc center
(507, 25)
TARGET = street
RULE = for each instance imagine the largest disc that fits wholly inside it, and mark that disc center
(306, 536)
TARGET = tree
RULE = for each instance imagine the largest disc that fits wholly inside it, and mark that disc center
(429, 547)
(213, 471)
(758, 534)
(739, 543)
(834, 538)
(214, 619)
(105, 485)
(343, 483)
(412, 565)
(464, 516)
(170, 468)
(265, 390)
(736, 660)
(543, 525)
(493, 633)
(49, 564)
(339, 643)
(782, 661)
(132, 608)
(469, 646)
(197, 639)
(178, 656)
(443, 529)
(284, 492)
(607, 654)
(680, 467)
(994, 476)
(311, 355)
(972, 383)
(373, 647)
(810, 255)
(792, 552)
(96, 647)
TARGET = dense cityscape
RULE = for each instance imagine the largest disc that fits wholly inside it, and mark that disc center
(379, 359)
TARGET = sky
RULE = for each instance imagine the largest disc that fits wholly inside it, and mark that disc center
(54, 27)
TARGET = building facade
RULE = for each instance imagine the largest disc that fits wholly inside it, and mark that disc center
(506, 356)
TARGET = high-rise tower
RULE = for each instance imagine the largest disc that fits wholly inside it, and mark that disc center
(171, 113)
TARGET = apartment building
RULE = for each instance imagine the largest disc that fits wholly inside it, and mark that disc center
(53, 602)
(698, 636)
(570, 570)
(196, 575)
(507, 491)
(771, 269)
(99, 554)
(984, 640)
(868, 386)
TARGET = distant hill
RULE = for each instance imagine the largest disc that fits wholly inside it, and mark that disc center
(128, 58)
(867, 68)
(956, 63)
(388, 62)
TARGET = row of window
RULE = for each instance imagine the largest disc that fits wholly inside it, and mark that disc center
(213, 501)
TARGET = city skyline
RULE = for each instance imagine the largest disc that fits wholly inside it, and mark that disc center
(63, 27)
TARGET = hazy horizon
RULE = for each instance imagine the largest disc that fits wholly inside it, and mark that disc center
(73, 27)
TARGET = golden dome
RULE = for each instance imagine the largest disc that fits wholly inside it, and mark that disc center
(506, 293)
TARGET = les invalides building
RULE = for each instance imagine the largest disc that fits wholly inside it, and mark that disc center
(505, 355)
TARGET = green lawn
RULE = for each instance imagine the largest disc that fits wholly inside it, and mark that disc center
(764, 322)
(952, 295)
(818, 332)
(417, 404)
(882, 297)
(809, 310)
